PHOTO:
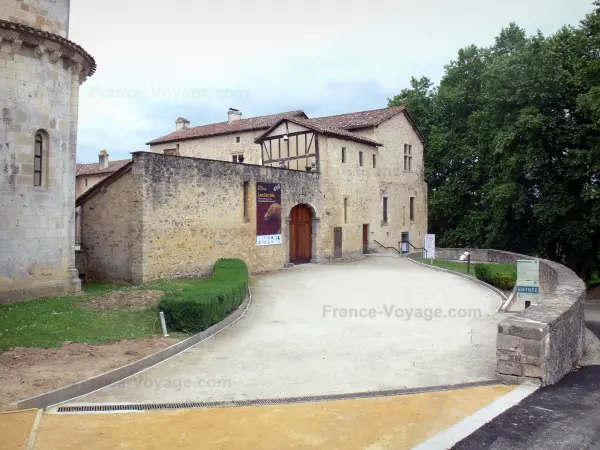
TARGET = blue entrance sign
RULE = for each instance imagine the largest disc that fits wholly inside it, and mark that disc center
(528, 280)
(528, 290)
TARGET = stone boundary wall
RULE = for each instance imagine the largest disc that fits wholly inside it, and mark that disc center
(544, 342)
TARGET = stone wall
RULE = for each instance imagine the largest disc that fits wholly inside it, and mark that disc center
(397, 184)
(193, 214)
(192, 208)
(363, 186)
(47, 15)
(111, 231)
(92, 180)
(218, 147)
(455, 253)
(173, 216)
(544, 342)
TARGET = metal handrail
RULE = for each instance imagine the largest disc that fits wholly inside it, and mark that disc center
(423, 251)
(387, 248)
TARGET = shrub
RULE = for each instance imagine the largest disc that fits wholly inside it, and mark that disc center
(502, 276)
(206, 301)
(594, 280)
(482, 271)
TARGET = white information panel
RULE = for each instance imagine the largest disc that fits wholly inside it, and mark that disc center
(528, 280)
(429, 246)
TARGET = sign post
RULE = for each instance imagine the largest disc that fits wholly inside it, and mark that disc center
(528, 282)
(268, 213)
(429, 246)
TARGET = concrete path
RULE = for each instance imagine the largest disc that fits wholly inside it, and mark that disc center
(297, 339)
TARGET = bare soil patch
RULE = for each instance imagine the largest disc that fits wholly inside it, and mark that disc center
(123, 301)
(25, 372)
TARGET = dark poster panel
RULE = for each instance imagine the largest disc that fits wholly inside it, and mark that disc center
(268, 213)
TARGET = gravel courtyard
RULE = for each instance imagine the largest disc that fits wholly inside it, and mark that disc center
(344, 327)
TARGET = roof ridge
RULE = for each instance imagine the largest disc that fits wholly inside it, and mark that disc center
(242, 120)
(110, 162)
(328, 130)
(360, 112)
(225, 127)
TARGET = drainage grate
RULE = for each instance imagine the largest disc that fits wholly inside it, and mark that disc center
(267, 401)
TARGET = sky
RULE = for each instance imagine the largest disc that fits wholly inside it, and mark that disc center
(196, 59)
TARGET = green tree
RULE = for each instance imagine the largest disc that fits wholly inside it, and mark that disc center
(513, 144)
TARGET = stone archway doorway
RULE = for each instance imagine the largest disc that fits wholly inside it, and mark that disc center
(301, 234)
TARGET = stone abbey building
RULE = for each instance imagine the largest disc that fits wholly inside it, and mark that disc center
(272, 190)
(40, 74)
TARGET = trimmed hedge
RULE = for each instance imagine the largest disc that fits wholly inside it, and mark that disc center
(503, 276)
(206, 301)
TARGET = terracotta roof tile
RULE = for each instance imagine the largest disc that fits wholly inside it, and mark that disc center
(94, 169)
(337, 132)
(361, 119)
(313, 125)
(215, 129)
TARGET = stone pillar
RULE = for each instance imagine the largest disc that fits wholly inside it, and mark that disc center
(69, 176)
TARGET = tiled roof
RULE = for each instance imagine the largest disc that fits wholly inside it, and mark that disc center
(337, 132)
(362, 119)
(94, 168)
(215, 129)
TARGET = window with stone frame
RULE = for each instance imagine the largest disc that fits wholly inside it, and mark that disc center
(38, 160)
(345, 210)
(408, 157)
(385, 210)
(246, 188)
(171, 151)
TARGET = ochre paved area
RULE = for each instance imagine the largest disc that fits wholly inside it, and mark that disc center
(377, 424)
(15, 428)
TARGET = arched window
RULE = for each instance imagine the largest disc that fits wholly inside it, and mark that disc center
(38, 159)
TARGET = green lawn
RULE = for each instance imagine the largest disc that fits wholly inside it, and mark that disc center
(457, 266)
(50, 322)
(451, 265)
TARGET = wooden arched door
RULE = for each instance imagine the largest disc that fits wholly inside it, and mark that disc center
(300, 234)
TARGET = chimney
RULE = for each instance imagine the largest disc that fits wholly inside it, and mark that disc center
(181, 124)
(233, 115)
(103, 159)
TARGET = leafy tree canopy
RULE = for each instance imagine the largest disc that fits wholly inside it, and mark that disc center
(513, 144)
